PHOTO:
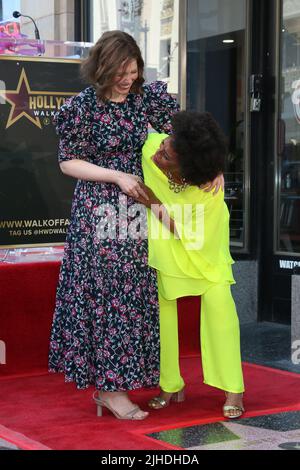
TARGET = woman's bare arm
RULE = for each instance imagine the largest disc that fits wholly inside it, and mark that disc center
(157, 208)
(83, 170)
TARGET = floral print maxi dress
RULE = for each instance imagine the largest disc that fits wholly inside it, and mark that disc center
(105, 329)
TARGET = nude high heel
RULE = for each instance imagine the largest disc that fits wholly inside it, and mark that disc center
(129, 415)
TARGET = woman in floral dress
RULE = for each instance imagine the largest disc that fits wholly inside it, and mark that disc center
(105, 328)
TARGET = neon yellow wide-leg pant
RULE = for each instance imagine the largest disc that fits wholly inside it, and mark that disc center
(220, 342)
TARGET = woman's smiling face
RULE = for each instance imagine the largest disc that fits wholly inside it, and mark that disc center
(165, 157)
(125, 78)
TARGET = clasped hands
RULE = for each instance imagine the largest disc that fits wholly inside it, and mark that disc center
(134, 187)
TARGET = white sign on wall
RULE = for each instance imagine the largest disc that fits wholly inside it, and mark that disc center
(296, 99)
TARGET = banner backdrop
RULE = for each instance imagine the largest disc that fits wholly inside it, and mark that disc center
(35, 197)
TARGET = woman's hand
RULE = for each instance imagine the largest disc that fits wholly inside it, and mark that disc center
(131, 185)
(151, 197)
(217, 183)
(158, 209)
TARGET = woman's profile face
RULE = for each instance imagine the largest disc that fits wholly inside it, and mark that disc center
(126, 75)
(165, 157)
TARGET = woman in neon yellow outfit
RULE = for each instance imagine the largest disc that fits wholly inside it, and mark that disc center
(189, 247)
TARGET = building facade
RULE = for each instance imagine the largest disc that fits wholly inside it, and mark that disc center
(240, 60)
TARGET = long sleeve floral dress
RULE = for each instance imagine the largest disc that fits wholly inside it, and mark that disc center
(105, 329)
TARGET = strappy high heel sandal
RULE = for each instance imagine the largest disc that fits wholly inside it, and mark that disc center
(157, 403)
(239, 410)
(131, 414)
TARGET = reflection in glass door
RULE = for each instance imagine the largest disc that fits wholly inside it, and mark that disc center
(216, 82)
(287, 208)
(155, 26)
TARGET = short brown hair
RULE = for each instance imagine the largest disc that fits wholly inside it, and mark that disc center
(113, 49)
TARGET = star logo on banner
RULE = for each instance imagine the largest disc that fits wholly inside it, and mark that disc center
(29, 104)
(19, 101)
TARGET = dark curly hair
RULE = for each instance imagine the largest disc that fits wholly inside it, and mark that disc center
(200, 146)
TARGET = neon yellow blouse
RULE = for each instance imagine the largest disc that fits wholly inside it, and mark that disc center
(202, 220)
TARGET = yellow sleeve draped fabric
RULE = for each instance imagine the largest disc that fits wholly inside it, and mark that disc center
(202, 220)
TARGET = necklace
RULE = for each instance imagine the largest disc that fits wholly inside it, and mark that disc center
(176, 187)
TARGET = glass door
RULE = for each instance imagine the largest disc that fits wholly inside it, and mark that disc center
(281, 249)
(287, 207)
(217, 71)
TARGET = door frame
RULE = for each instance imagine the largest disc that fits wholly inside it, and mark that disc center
(274, 282)
(248, 251)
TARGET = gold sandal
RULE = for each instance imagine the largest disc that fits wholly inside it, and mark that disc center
(131, 414)
(228, 408)
(157, 403)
